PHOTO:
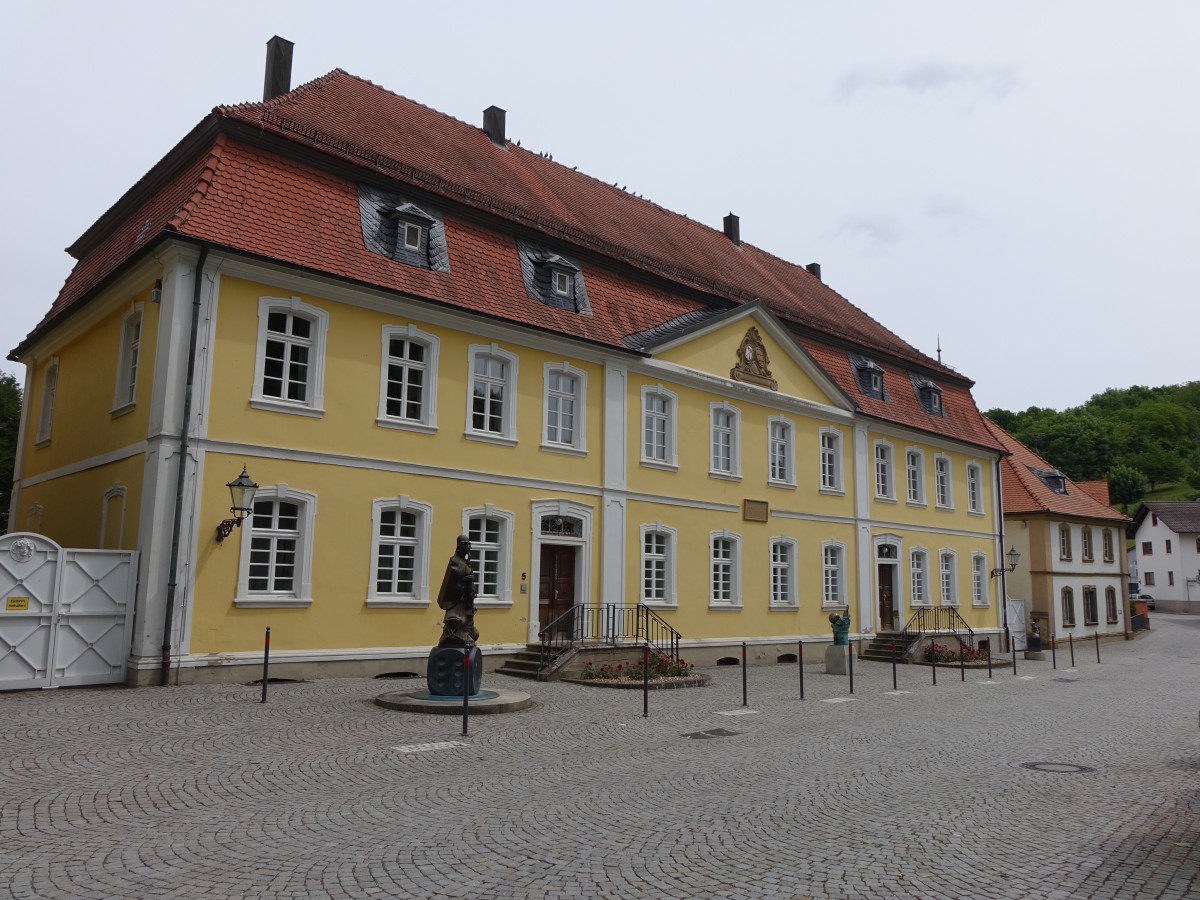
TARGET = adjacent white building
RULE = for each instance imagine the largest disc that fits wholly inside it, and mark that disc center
(1166, 538)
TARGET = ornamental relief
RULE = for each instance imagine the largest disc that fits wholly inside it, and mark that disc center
(753, 366)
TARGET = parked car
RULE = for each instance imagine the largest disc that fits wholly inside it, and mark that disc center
(1149, 600)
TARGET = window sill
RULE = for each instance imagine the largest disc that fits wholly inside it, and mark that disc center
(406, 425)
(975, 512)
(124, 409)
(396, 603)
(951, 605)
(488, 438)
(492, 604)
(980, 605)
(735, 607)
(889, 500)
(784, 607)
(43, 442)
(787, 485)
(272, 602)
(943, 508)
(917, 504)
(833, 492)
(664, 466)
(565, 449)
(281, 406)
(661, 604)
(724, 476)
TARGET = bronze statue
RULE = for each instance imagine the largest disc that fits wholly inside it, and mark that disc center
(841, 628)
(457, 598)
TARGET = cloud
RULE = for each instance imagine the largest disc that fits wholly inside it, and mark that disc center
(871, 229)
(960, 83)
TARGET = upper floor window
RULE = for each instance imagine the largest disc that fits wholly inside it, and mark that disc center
(1085, 543)
(870, 377)
(783, 572)
(833, 574)
(949, 578)
(552, 279)
(914, 468)
(942, 483)
(884, 485)
(1068, 607)
(725, 439)
(490, 532)
(1107, 541)
(46, 408)
(780, 451)
(1110, 604)
(979, 580)
(919, 570)
(1168, 543)
(125, 393)
(400, 553)
(493, 394)
(1154, 519)
(831, 459)
(724, 561)
(289, 369)
(928, 394)
(564, 407)
(399, 229)
(974, 488)
(275, 567)
(658, 426)
(658, 565)
(408, 378)
(1064, 541)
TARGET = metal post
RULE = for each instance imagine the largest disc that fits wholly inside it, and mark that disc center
(989, 660)
(645, 680)
(1097, 647)
(1013, 647)
(1071, 644)
(1054, 651)
(800, 656)
(850, 663)
(466, 685)
(933, 660)
(894, 685)
(745, 695)
(266, 661)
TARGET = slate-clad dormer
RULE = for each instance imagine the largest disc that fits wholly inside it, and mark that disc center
(398, 228)
(929, 394)
(552, 278)
(870, 377)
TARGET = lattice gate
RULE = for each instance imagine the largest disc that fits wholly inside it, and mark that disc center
(65, 615)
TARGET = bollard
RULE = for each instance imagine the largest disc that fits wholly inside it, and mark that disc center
(989, 660)
(800, 656)
(895, 687)
(466, 685)
(745, 701)
(850, 664)
(266, 661)
(1012, 646)
(1097, 647)
(1071, 644)
(933, 662)
(645, 681)
(1054, 651)
(962, 662)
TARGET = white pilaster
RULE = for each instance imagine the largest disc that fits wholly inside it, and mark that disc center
(863, 548)
(615, 460)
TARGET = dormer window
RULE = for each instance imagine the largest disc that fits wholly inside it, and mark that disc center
(401, 230)
(552, 278)
(929, 395)
(1052, 478)
(870, 377)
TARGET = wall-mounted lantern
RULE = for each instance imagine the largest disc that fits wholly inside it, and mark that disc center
(241, 494)
(1014, 557)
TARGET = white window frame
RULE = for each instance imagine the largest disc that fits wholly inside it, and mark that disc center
(734, 561)
(301, 594)
(919, 594)
(424, 522)
(732, 431)
(1067, 593)
(314, 404)
(1084, 592)
(1107, 542)
(561, 282)
(670, 537)
(427, 421)
(789, 598)
(979, 580)
(885, 470)
(830, 480)
(669, 417)
(914, 476)
(410, 227)
(943, 475)
(504, 560)
(46, 402)
(974, 488)
(117, 491)
(838, 568)
(1087, 544)
(128, 358)
(508, 409)
(578, 442)
(786, 444)
(948, 577)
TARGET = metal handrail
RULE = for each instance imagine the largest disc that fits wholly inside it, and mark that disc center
(938, 619)
(609, 625)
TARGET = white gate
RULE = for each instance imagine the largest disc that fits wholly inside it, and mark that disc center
(1016, 623)
(65, 615)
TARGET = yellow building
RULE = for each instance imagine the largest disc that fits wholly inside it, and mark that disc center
(405, 328)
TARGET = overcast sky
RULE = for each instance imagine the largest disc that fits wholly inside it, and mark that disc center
(1019, 179)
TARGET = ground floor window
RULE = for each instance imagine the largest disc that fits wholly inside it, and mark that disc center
(1068, 606)
(1110, 603)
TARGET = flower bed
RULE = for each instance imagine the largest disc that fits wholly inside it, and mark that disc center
(943, 653)
(664, 672)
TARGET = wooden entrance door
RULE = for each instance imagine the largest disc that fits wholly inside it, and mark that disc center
(887, 609)
(556, 586)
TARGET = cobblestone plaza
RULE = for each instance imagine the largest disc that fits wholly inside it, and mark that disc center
(1062, 783)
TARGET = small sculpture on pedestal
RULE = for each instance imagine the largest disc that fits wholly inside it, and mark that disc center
(457, 598)
(835, 654)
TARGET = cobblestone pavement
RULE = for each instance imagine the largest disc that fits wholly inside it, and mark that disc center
(202, 791)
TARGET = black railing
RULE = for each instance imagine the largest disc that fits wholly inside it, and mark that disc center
(608, 626)
(938, 620)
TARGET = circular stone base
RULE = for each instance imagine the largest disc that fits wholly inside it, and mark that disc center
(483, 703)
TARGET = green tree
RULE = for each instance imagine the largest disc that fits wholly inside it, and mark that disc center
(1075, 441)
(1125, 485)
(10, 426)
(1159, 464)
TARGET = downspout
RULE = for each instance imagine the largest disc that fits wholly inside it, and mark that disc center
(177, 522)
(1001, 561)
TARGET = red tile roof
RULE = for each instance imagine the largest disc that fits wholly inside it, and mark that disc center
(1026, 494)
(1098, 490)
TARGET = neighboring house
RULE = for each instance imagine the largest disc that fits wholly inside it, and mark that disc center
(406, 328)
(1166, 538)
(1072, 574)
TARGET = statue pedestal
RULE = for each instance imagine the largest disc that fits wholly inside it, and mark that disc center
(444, 673)
(835, 660)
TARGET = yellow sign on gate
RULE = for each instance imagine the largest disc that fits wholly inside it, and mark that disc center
(16, 604)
